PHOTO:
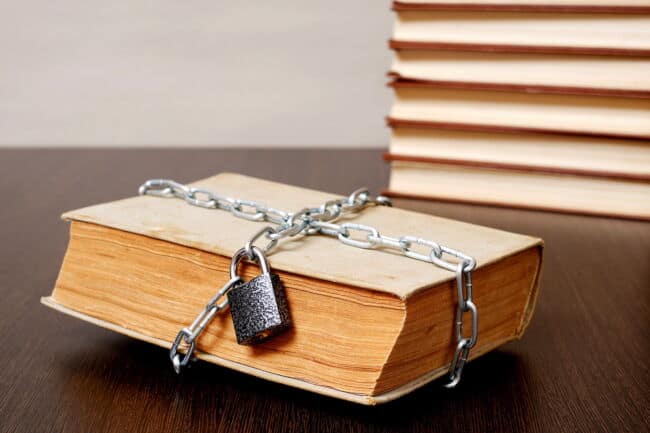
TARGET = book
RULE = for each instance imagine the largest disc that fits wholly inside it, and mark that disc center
(623, 76)
(574, 33)
(434, 105)
(598, 6)
(368, 325)
(520, 188)
(548, 153)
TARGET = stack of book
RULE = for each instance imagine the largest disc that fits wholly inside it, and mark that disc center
(540, 104)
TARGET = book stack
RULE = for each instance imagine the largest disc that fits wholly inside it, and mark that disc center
(541, 104)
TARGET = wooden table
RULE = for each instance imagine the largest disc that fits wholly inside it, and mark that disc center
(582, 365)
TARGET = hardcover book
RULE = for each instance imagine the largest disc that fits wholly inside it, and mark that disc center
(507, 31)
(547, 153)
(368, 325)
(520, 187)
(624, 76)
(418, 104)
(593, 6)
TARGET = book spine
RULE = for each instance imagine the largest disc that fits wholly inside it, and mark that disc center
(508, 48)
(401, 82)
(515, 205)
(521, 167)
(614, 8)
(477, 127)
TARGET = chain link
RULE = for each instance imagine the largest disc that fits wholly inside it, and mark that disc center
(187, 336)
(320, 220)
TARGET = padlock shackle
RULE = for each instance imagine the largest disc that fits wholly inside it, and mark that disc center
(259, 257)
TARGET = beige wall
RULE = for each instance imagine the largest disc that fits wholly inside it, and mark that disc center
(201, 73)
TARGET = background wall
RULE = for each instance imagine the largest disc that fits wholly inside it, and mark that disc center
(200, 73)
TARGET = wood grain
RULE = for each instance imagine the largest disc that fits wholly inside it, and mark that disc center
(581, 367)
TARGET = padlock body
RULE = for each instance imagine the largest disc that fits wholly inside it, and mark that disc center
(259, 309)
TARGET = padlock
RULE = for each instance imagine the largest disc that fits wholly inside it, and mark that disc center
(258, 307)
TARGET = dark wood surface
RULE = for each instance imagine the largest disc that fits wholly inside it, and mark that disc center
(582, 366)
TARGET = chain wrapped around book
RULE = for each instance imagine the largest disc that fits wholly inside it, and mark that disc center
(277, 293)
(258, 307)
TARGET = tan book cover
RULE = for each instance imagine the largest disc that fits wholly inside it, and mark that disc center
(592, 6)
(436, 106)
(507, 31)
(516, 186)
(552, 153)
(623, 76)
(368, 325)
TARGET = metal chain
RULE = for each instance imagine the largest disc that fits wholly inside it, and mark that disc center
(320, 220)
(188, 335)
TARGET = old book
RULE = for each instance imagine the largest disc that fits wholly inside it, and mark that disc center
(624, 76)
(548, 153)
(521, 188)
(599, 6)
(418, 104)
(368, 325)
(574, 33)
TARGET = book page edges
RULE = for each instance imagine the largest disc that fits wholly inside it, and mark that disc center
(533, 294)
(369, 400)
(159, 218)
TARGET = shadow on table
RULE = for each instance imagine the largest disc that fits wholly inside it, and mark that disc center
(132, 386)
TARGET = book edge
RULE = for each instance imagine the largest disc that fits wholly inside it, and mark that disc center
(517, 7)
(398, 44)
(403, 81)
(78, 215)
(388, 156)
(533, 294)
(527, 313)
(508, 205)
(368, 400)
(394, 122)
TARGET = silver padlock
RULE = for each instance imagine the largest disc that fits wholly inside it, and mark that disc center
(258, 307)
